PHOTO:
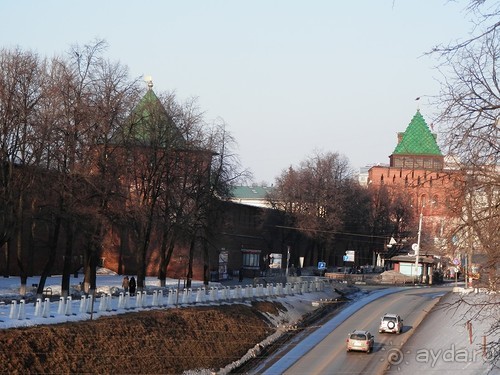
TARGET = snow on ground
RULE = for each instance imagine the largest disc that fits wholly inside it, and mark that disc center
(450, 339)
(18, 311)
(440, 338)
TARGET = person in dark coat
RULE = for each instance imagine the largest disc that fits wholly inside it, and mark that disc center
(131, 286)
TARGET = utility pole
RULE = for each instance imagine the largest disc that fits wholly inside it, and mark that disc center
(287, 259)
(417, 250)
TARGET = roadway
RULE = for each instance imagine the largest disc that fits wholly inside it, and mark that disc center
(324, 350)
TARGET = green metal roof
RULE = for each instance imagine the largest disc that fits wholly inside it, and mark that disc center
(149, 124)
(417, 139)
(251, 192)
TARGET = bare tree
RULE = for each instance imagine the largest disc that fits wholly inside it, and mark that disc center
(22, 97)
(224, 171)
(470, 117)
(315, 196)
(470, 103)
(112, 95)
(150, 140)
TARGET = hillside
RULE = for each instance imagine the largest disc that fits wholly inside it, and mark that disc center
(170, 341)
(152, 342)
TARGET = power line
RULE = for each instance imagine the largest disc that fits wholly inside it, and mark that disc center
(333, 232)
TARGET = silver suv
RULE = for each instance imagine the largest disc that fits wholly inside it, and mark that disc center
(360, 340)
(391, 323)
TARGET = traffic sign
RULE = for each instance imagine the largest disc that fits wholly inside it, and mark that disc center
(349, 256)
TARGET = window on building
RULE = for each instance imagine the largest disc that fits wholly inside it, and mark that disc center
(251, 258)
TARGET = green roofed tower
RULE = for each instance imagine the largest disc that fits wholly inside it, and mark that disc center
(150, 125)
(417, 147)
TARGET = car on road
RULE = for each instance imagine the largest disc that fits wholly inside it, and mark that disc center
(360, 340)
(391, 323)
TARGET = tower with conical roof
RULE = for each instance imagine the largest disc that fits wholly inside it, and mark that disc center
(149, 125)
(417, 147)
(417, 176)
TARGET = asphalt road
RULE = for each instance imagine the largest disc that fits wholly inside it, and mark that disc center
(324, 351)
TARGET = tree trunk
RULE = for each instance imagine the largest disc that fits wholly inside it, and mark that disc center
(206, 262)
(51, 257)
(141, 256)
(121, 249)
(68, 256)
(18, 235)
(141, 264)
(91, 262)
(162, 267)
(189, 274)
(6, 271)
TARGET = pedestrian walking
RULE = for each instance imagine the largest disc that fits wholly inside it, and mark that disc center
(125, 284)
(131, 286)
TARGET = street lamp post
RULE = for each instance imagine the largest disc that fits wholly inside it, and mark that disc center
(287, 259)
(417, 250)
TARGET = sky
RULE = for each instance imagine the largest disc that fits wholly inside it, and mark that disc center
(290, 78)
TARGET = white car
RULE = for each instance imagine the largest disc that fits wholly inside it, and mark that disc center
(360, 340)
(391, 323)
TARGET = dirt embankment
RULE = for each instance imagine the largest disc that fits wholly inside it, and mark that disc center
(153, 342)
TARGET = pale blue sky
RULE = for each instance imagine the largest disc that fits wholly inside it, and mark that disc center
(288, 77)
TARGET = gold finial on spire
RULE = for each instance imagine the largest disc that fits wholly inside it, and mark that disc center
(149, 81)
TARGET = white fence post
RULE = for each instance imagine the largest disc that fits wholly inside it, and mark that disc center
(90, 300)
(138, 302)
(121, 301)
(102, 303)
(13, 309)
(184, 298)
(22, 311)
(62, 306)
(198, 296)
(38, 307)
(83, 304)
(69, 311)
(170, 298)
(46, 308)
(109, 302)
